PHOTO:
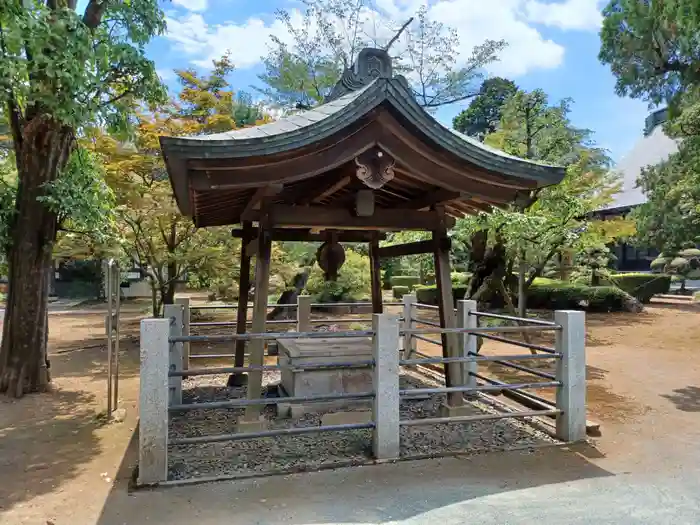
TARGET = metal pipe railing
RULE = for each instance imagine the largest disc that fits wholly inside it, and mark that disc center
(268, 433)
(234, 323)
(285, 305)
(482, 417)
(474, 358)
(270, 335)
(344, 320)
(235, 403)
(425, 322)
(481, 329)
(526, 369)
(426, 306)
(501, 383)
(428, 340)
(483, 388)
(518, 343)
(513, 318)
(239, 369)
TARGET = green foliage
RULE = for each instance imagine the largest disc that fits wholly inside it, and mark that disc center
(671, 216)
(549, 294)
(399, 291)
(460, 278)
(332, 32)
(643, 286)
(483, 115)
(652, 48)
(353, 281)
(429, 294)
(8, 191)
(409, 281)
(681, 265)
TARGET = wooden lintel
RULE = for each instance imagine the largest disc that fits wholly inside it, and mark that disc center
(327, 192)
(435, 197)
(258, 196)
(413, 248)
(382, 219)
(302, 234)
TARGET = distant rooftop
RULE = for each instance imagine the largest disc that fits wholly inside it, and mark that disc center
(654, 147)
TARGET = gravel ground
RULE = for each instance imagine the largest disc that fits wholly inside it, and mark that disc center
(320, 450)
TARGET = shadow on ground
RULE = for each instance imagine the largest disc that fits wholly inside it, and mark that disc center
(375, 494)
(686, 399)
(60, 421)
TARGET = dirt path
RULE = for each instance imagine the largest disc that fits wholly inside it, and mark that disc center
(58, 462)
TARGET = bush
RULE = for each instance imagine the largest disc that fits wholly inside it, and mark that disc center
(550, 294)
(643, 286)
(353, 281)
(428, 294)
(411, 281)
(400, 291)
(460, 278)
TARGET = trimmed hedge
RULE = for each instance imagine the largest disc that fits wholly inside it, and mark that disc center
(460, 277)
(643, 286)
(399, 291)
(550, 294)
(405, 280)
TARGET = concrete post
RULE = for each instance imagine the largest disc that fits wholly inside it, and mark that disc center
(385, 413)
(571, 371)
(185, 303)
(303, 313)
(173, 312)
(409, 342)
(153, 401)
(468, 342)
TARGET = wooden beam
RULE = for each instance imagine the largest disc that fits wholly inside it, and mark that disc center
(257, 346)
(242, 313)
(427, 200)
(447, 313)
(331, 190)
(304, 235)
(413, 248)
(375, 276)
(325, 217)
(257, 198)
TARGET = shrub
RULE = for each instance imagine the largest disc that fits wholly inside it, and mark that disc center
(399, 291)
(549, 294)
(353, 281)
(411, 281)
(460, 278)
(643, 286)
(428, 294)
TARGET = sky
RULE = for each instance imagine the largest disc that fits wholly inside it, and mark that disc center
(553, 45)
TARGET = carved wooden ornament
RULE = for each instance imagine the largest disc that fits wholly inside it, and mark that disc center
(374, 168)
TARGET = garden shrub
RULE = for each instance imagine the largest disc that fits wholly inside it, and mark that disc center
(411, 281)
(643, 286)
(428, 294)
(460, 278)
(353, 282)
(399, 291)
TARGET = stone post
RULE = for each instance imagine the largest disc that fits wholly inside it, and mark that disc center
(303, 313)
(153, 401)
(173, 312)
(385, 413)
(185, 303)
(571, 371)
(409, 342)
(468, 342)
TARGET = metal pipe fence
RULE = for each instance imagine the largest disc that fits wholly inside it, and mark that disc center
(512, 318)
(161, 365)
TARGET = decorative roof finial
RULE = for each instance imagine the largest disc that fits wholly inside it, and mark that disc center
(371, 63)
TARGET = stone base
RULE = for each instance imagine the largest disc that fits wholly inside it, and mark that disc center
(251, 425)
(346, 418)
(453, 411)
(297, 410)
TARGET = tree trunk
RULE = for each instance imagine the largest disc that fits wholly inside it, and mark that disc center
(171, 285)
(44, 152)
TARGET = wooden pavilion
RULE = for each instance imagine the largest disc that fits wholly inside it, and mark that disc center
(367, 161)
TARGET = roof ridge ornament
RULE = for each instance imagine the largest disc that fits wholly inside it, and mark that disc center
(372, 63)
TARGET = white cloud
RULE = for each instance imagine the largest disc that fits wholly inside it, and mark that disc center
(192, 5)
(475, 21)
(570, 14)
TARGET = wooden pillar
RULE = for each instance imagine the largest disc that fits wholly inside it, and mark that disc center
(447, 313)
(375, 275)
(242, 314)
(257, 346)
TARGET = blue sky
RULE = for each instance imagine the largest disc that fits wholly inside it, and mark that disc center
(553, 45)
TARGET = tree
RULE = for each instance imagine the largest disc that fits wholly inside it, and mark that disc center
(165, 245)
(332, 32)
(532, 232)
(484, 112)
(59, 72)
(652, 47)
(670, 218)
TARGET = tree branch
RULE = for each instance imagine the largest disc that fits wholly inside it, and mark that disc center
(93, 13)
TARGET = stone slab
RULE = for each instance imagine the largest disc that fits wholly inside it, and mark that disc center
(453, 411)
(251, 425)
(347, 417)
(347, 347)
